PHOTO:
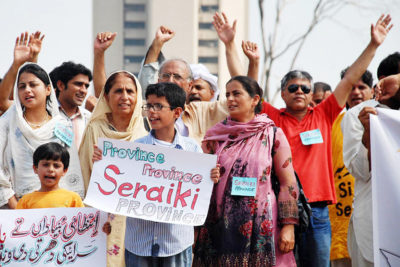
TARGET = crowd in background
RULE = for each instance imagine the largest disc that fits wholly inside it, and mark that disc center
(321, 136)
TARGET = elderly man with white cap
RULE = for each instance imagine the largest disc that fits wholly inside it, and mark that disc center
(204, 86)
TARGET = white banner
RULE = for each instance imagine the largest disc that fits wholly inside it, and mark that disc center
(385, 162)
(151, 182)
(53, 237)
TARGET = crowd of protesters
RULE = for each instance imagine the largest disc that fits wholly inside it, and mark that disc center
(320, 135)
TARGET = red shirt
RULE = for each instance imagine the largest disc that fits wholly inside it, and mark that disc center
(313, 163)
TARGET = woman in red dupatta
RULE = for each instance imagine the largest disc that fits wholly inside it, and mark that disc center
(248, 230)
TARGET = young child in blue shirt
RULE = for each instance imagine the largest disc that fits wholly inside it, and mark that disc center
(149, 243)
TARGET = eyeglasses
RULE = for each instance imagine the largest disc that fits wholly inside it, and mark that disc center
(154, 107)
(294, 87)
(175, 77)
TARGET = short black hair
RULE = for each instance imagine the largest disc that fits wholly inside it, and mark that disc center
(252, 88)
(365, 78)
(35, 70)
(51, 151)
(389, 65)
(67, 71)
(174, 94)
(321, 86)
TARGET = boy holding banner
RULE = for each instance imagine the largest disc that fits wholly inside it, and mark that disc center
(149, 243)
(50, 163)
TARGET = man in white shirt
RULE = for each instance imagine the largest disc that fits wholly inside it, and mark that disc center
(356, 157)
(71, 82)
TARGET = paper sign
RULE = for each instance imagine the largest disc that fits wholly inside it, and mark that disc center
(311, 137)
(385, 160)
(244, 186)
(151, 182)
(53, 237)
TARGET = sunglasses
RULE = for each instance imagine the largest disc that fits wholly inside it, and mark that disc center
(294, 87)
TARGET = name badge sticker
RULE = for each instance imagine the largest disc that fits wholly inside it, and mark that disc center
(64, 133)
(244, 186)
(311, 137)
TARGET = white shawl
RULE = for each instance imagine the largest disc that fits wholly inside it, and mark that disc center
(18, 141)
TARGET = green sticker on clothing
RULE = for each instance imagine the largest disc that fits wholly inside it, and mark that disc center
(244, 186)
(311, 137)
(64, 133)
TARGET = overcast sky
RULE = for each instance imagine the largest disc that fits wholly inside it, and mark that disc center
(67, 25)
(334, 44)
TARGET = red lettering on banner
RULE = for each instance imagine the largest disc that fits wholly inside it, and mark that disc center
(138, 188)
(109, 178)
(181, 197)
(170, 194)
(195, 198)
(151, 193)
(123, 187)
(159, 195)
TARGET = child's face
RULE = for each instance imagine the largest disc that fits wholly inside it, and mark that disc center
(163, 118)
(49, 172)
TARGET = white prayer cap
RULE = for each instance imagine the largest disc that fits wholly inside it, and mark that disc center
(200, 71)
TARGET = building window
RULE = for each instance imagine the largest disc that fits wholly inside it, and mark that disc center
(209, 8)
(208, 59)
(134, 24)
(135, 7)
(208, 43)
(134, 42)
(205, 25)
(133, 59)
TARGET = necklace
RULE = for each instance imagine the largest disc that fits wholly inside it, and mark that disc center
(38, 125)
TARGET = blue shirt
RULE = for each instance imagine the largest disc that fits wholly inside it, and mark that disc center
(147, 238)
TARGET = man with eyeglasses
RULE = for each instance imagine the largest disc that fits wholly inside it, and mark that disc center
(309, 133)
(199, 84)
(197, 117)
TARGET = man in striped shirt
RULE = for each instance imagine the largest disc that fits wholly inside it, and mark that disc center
(71, 83)
(149, 243)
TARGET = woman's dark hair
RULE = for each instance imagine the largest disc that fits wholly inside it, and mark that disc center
(174, 94)
(51, 151)
(38, 72)
(252, 88)
(111, 80)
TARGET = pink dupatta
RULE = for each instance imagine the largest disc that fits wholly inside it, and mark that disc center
(251, 141)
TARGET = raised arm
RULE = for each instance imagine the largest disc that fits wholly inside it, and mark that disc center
(251, 51)
(35, 43)
(27, 48)
(355, 71)
(388, 89)
(163, 35)
(226, 34)
(101, 43)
